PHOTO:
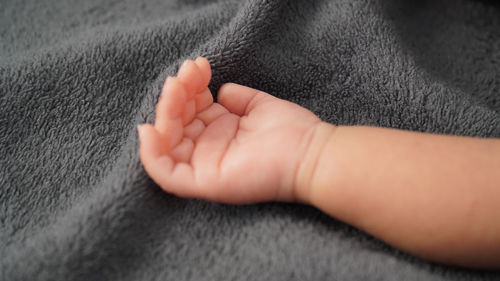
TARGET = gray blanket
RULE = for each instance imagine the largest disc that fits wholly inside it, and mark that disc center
(76, 77)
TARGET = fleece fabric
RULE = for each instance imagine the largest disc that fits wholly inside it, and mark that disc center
(76, 77)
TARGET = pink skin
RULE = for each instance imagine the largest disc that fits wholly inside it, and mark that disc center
(244, 149)
(252, 147)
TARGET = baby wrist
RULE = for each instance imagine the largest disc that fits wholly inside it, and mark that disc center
(308, 167)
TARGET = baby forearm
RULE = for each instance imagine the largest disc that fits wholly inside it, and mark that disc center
(435, 196)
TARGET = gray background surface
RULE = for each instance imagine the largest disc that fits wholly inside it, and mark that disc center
(77, 76)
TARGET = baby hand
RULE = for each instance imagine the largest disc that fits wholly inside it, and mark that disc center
(245, 148)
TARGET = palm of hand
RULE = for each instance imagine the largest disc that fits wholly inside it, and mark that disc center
(245, 148)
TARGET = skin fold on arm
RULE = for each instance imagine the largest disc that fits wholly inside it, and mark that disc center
(434, 196)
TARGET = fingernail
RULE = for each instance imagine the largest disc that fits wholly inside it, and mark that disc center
(165, 85)
(170, 80)
(167, 81)
(139, 131)
(186, 62)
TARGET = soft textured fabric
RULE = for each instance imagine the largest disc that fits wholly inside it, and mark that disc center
(76, 77)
